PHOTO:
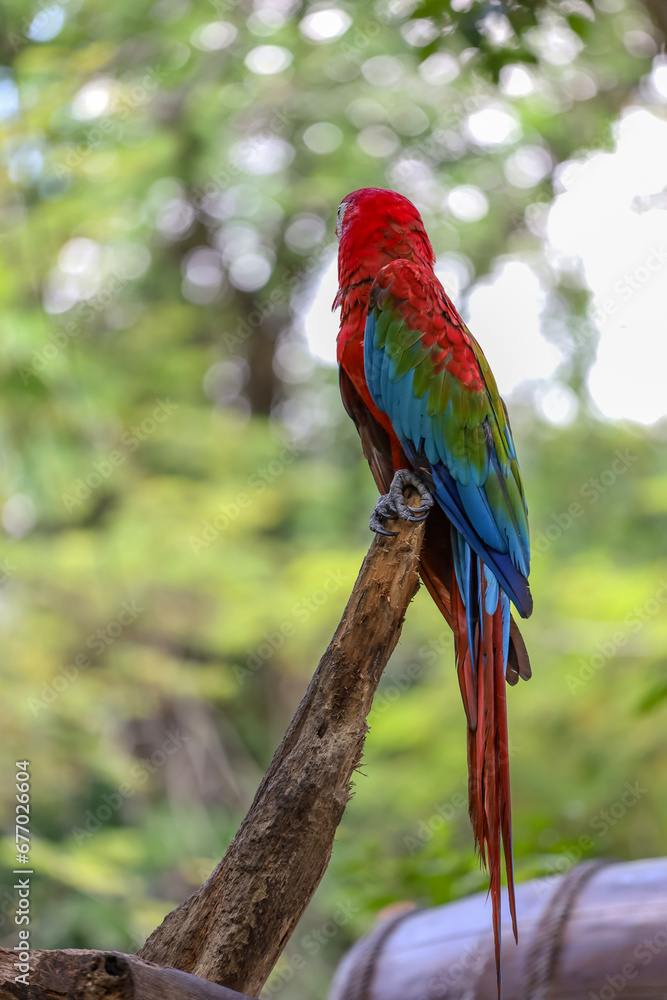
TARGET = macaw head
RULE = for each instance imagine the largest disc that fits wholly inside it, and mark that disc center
(374, 227)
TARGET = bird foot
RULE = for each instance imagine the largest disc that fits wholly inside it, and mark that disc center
(392, 505)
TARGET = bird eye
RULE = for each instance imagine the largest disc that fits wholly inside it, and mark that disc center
(339, 218)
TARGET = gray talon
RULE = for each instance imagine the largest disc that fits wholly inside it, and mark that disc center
(383, 509)
(393, 505)
(403, 478)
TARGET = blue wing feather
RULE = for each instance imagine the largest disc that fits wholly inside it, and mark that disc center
(495, 534)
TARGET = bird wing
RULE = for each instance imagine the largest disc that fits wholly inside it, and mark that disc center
(426, 371)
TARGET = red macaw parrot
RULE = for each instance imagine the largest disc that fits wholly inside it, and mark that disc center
(427, 408)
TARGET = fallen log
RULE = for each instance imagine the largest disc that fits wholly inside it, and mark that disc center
(595, 933)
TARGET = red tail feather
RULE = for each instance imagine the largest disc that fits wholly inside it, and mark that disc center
(483, 691)
(481, 670)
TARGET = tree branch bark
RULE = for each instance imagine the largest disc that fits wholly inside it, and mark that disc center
(233, 929)
(73, 974)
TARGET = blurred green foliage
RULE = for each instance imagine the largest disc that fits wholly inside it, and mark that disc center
(185, 505)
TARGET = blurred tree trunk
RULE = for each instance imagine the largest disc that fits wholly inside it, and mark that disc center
(657, 11)
(262, 387)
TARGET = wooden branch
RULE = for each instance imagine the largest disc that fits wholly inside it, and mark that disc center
(74, 974)
(233, 929)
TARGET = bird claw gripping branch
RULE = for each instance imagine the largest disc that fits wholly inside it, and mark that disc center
(393, 505)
